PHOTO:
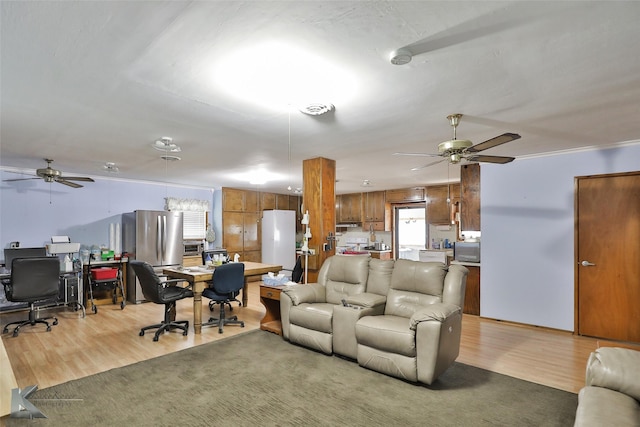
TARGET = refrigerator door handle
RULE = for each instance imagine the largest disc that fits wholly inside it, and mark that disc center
(164, 238)
(158, 238)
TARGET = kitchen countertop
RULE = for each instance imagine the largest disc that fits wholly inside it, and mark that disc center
(466, 264)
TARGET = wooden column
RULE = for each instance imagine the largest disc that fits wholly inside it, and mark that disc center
(319, 198)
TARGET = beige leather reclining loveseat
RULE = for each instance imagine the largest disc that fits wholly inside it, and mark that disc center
(611, 396)
(402, 318)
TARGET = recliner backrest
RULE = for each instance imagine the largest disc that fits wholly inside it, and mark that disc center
(34, 279)
(414, 285)
(344, 275)
(380, 272)
(228, 278)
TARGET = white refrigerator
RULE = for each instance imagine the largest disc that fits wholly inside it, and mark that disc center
(279, 238)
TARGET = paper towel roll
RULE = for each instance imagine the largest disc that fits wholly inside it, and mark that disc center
(112, 233)
(118, 248)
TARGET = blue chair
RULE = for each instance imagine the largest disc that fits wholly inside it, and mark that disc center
(228, 280)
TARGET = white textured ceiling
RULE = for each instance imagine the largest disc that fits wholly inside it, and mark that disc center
(86, 83)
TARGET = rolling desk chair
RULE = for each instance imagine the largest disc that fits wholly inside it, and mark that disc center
(33, 280)
(161, 292)
(228, 279)
(210, 253)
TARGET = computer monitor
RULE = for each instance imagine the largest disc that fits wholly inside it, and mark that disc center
(12, 253)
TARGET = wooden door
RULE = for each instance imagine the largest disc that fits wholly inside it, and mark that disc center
(607, 268)
(233, 231)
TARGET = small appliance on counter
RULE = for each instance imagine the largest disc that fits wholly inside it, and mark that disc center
(466, 251)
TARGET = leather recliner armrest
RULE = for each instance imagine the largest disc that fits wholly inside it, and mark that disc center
(615, 368)
(366, 300)
(439, 311)
(311, 293)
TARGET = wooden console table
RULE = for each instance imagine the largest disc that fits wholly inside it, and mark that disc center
(270, 298)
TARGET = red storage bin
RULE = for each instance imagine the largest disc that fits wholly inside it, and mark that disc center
(104, 273)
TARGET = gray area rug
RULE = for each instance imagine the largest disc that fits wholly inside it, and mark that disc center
(258, 379)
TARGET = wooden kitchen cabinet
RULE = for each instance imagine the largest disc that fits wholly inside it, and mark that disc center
(234, 200)
(373, 211)
(267, 201)
(405, 195)
(350, 208)
(472, 293)
(437, 206)
(470, 199)
(282, 202)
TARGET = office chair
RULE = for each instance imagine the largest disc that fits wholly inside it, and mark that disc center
(211, 253)
(228, 279)
(161, 292)
(33, 280)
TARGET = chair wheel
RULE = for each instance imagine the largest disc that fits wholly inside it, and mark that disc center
(95, 309)
(15, 332)
(242, 325)
(141, 333)
(155, 338)
(219, 331)
(122, 305)
(184, 333)
(55, 322)
(48, 328)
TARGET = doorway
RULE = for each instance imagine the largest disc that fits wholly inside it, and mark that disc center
(607, 254)
(411, 230)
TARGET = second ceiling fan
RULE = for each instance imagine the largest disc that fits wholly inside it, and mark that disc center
(456, 150)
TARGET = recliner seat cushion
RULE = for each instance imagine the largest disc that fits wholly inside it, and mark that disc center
(387, 333)
(317, 317)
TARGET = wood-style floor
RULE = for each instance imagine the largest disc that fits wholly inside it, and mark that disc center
(78, 347)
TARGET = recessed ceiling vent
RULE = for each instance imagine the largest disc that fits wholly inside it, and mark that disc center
(317, 108)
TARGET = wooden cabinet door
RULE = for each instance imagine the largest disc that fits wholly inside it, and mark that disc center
(233, 200)
(282, 202)
(251, 201)
(351, 207)
(373, 206)
(437, 206)
(470, 203)
(405, 195)
(252, 232)
(472, 293)
(267, 201)
(233, 231)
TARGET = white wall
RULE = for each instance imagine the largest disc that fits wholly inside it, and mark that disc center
(527, 222)
(32, 211)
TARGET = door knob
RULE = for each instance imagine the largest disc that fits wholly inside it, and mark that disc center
(586, 263)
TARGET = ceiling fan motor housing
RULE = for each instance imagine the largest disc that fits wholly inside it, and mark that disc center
(453, 149)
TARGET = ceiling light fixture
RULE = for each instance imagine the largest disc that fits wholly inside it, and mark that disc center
(111, 167)
(366, 183)
(317, 108)
(166, 144)
(401, 56)
(170, 158)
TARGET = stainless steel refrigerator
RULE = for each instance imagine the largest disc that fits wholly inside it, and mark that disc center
(154, 237)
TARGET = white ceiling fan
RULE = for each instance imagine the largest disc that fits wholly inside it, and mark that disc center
(457, 150)
(52, 175)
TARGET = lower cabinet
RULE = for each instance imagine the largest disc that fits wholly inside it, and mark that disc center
(472, 294)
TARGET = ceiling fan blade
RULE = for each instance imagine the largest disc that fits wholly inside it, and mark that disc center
(493, 142)
(417, 154)
(428, 164)
(18, 179)
(69, 183)
(77, 178)
(490, 159)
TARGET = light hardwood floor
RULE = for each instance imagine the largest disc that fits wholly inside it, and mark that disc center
(78, 347)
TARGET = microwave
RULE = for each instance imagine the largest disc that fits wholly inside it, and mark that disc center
(193, 247)
(466, 251)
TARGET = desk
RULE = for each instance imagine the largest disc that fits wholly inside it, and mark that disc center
(198, 276)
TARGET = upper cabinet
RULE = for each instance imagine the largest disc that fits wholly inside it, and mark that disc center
(405, 195)
(441, 203)
(470, 199)
(350, 209)
(234, 200)
(373, 211)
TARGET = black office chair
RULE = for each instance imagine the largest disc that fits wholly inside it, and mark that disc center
(34, 280)
(210, 253)
(228, 279)
(161, 292)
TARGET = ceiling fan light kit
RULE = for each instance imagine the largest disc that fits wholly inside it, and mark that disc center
(166, 144)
